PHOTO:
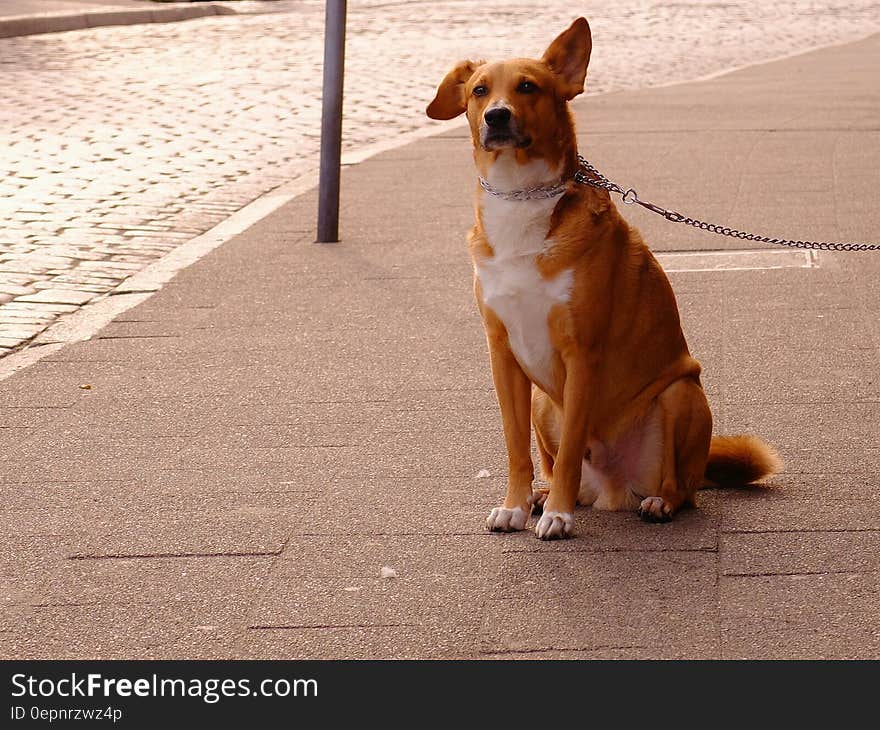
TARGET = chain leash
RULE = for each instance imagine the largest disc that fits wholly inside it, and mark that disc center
(589, 175)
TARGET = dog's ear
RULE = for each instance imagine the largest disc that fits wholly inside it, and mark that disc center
(450, 100)
(568, 57)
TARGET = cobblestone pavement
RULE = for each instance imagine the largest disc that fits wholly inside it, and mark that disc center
(117, 144)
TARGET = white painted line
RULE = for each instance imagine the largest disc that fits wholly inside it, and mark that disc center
(739, 260)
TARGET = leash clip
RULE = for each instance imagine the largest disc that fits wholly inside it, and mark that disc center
(630, 197)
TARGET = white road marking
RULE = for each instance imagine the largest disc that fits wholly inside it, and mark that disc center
(740, 260)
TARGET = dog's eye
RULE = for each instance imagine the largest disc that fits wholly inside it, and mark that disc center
(480, 90)
(527, 87)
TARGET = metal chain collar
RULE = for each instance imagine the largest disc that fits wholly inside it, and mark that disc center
(630, 196)
(539, 192)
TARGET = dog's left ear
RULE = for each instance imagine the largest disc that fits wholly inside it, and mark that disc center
(568, 57)
(450, 100)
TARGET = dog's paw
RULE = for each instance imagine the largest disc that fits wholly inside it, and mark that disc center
(554, 525)
(655, 509)
(537, 499)
(501, 519)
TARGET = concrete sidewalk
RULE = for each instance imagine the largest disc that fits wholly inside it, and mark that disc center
(223, 471)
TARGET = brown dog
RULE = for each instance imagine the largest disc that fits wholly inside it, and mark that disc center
(575, 304)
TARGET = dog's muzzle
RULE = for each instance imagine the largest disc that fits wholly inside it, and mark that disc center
(499, 130)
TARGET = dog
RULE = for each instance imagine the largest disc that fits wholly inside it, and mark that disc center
(582, 325)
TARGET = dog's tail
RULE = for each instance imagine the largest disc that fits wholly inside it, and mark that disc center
(735, 461)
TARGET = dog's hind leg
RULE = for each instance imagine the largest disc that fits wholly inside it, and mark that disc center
(687, 430)
(545, 421)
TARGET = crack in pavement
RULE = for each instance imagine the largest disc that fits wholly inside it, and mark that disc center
(153, 556)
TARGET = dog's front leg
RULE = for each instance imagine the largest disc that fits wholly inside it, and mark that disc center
(514, 391)
(557, 520)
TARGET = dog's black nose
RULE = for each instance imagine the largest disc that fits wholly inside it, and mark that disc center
(497, 117)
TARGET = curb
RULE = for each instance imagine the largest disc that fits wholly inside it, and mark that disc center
(21, 25)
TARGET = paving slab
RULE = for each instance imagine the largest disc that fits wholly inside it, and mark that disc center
(827, 616)
(567, 602)
(825, 438)
(367, 642)
(800, 553)
(803, 502)
(119, 631)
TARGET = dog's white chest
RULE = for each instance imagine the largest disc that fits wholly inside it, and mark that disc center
(513, 288)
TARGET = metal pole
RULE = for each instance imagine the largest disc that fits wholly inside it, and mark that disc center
(331, 121)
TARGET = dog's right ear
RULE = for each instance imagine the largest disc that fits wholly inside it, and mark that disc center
(450, 100)
(568, 57)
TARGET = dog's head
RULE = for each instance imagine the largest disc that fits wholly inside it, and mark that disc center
(518, 104)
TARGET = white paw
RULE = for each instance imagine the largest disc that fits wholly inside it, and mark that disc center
(554, 525)
(501, 519)
(654, 509)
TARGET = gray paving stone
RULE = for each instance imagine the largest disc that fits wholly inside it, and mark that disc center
(27, 417)
(828, 616)
(369, 642)
(803, 502)
(154, 530)
(637, 601)
(150, 580)
(136, 630)
(804, 552)
(838, 438)
(440, 617)
(413, 557)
